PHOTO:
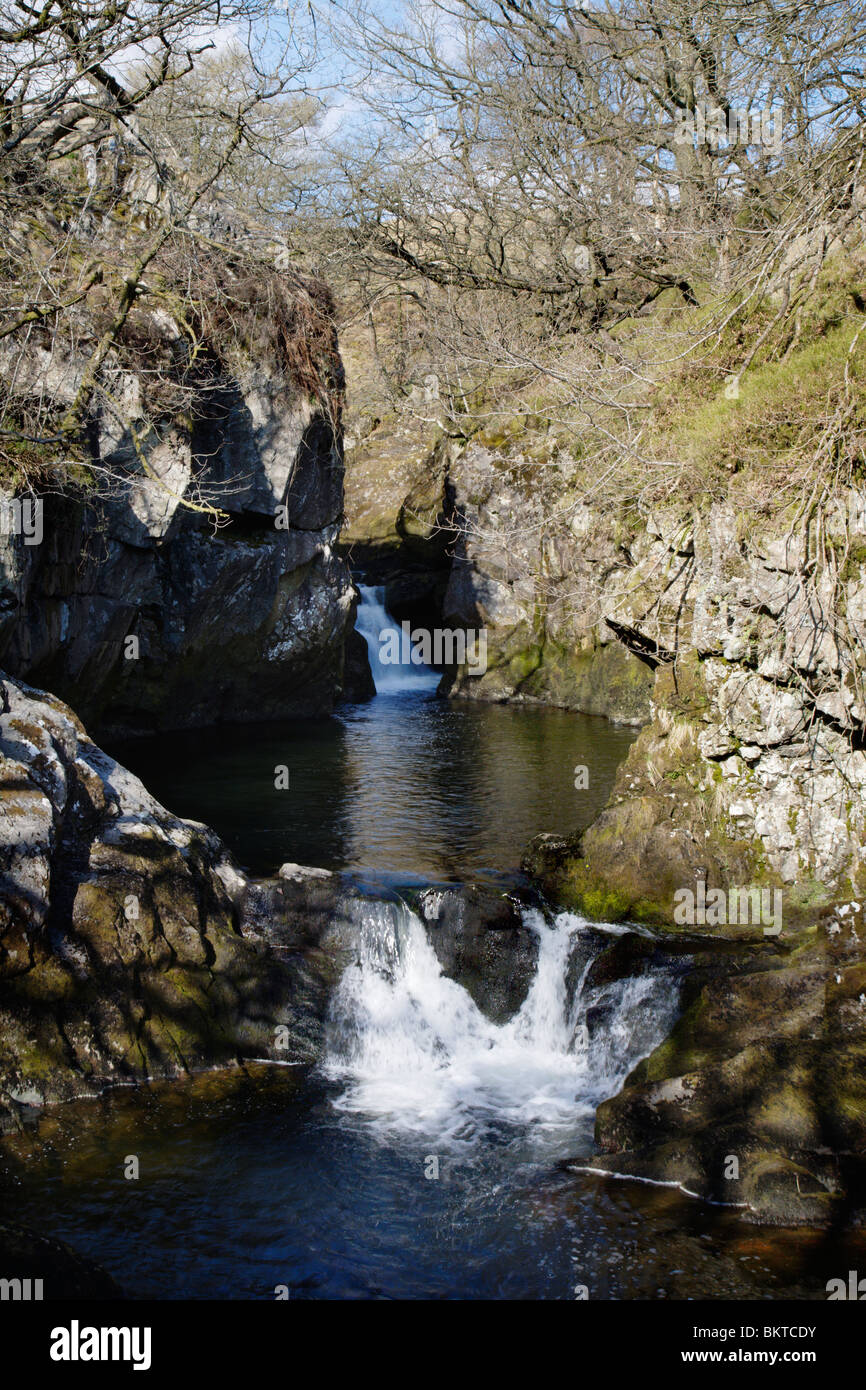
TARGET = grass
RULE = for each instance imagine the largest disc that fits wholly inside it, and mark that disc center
(780, 408)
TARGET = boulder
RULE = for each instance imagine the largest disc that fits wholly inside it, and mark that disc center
(202, 586)
(124, 952)
(481, 941)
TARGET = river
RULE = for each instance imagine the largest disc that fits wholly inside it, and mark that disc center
(431, 1153)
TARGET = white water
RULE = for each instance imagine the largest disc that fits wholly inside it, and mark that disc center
(373, 619)
(416, 1054)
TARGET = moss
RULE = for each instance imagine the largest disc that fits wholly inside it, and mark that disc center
(685, 1049)
(522, 665)
(604, 905)
(680, 687)
(601, 679)
(758, 426)
(806, 897)
(573, 882)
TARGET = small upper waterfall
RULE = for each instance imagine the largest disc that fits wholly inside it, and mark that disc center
(390, 678)
(416, 1054)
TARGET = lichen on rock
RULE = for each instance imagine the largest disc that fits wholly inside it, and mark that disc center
(127, 949)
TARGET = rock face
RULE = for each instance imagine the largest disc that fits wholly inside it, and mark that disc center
(470, 541)
(398, 531)
(752, 770)
(540, 588)
(124, 953)
(738, 643)
(144, 612)
(750, 775)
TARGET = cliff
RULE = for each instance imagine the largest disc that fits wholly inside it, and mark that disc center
(185, 571)
(717, 600)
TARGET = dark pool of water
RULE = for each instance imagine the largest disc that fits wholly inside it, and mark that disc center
(407, 788)
(250, 1184)
(247, 1187)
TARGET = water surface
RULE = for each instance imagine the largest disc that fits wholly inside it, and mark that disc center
(409, 788)
(258, 1183)
(431, 1153)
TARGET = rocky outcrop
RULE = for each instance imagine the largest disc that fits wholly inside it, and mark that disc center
(398, 531)
(481, 940)
(133, 948)
(749, 778)
(536, 573)
(734, 637)
(757, 1099)
(129, 942)
(752, 770)
(60, 1271)
(139, 604)
(466, 536)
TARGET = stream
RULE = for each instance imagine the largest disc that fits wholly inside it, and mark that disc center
(431, 1153)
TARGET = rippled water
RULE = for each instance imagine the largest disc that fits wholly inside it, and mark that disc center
(253, 1183)
(407, 788)
(432, 1154)
(406, 1164)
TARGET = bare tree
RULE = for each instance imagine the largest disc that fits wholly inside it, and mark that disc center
(583, 209)
(125, 129)
(587, 160)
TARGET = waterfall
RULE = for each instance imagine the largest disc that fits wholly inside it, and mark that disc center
(372, 621)
(415, 1054)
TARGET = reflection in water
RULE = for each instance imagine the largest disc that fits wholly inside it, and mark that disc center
(414, 786)
(319, 1181)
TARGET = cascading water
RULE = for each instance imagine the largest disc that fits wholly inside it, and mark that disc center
(415, 1054)
(374, 620)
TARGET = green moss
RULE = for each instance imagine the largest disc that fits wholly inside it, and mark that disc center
(685, 1049)
(522, 665)
(599, 679)
(736, 433)
(604, 905)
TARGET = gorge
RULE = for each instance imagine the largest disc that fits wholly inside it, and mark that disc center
(423, 1026)
(432, 662)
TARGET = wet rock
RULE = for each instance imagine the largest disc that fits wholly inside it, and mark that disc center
(25, 1255)
(416, 595)
(757, 1097)
(481, 941)
(295, 910)
(358, 683)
